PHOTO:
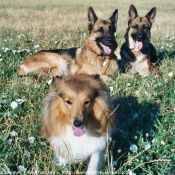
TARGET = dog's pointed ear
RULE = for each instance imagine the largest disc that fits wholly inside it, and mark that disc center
(92, 17)
(132, 13)
(151, 15)
(114, 17)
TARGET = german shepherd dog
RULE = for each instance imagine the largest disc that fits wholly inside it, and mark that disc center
(77, 119)
(137, 49)
(96, 57)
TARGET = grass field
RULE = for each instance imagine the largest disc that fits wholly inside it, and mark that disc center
(144, 140)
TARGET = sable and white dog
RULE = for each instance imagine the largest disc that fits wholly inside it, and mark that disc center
(77, 119)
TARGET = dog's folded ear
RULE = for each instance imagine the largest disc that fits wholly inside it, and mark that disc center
(151, 15)
(114, 17)
(92, 17)
(132, 13)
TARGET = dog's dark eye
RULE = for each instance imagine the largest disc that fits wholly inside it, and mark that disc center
(68, 102)
(101, 30)
(86, 102)
(145, 27)
(135, 27)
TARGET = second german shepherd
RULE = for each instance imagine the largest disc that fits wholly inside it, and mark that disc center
(96, 57)
(137, 49)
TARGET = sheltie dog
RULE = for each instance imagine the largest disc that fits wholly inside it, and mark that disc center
(77, 119)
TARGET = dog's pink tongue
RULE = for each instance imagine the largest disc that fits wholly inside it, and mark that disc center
(106, 49)
(79, 131)
(139, 45)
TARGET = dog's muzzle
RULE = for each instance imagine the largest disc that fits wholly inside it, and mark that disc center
(139, 41)
(78, 128)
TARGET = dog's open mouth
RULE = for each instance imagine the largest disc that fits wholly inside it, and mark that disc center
(106, 49)
(79, 131)
(139, 44)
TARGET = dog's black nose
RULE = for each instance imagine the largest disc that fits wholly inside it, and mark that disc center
(78, 123)
(109, 40)
(139, 36)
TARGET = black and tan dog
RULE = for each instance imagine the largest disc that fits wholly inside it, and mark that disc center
(96, 57)
(137, 50)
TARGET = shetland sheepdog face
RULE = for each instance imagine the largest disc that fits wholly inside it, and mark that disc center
(80, 101)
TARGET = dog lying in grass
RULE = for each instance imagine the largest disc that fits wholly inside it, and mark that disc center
(95, 57)
(77, 119)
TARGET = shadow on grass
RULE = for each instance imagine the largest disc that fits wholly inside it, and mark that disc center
(134, 120)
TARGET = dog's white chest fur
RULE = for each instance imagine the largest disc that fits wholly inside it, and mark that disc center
(75, 149)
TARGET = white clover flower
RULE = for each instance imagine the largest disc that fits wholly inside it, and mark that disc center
(49, 81)
(20, 101)
(31, 139)
(111, 88)
(154, 140)
(128, 84)
(6, 49)
(14, 51)
(26, 153)
(130, 172)
(1, 59)
(84, 34)
(13, 134)
(56, 42)
(147, 146)
(133, 148)
(174, 108)
(170, 74)
(36, 46)
(22, 168)
(14, 105)
(43, 143)
(136, 92)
